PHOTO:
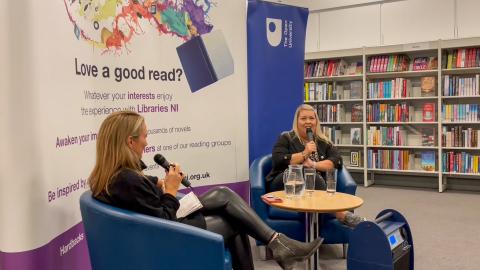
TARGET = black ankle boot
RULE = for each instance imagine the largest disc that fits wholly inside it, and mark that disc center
(287, 251)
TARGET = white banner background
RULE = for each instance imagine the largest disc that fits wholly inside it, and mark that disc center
(41, 102)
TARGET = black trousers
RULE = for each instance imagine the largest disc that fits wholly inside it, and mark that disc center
(227, 214)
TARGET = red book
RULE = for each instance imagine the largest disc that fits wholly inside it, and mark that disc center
(460, 54)
(451, 161)
(429, 112)
(271, 199)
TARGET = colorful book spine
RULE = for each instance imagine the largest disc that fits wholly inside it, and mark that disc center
(386, 136)
(390, 159)
(460, 162)
(460, 136)
(384, 112)
(461, 86)
(461, 113)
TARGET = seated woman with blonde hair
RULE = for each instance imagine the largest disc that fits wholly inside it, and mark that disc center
(117, 179)
(294, 147)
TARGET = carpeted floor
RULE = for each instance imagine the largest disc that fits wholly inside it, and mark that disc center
(445, 227)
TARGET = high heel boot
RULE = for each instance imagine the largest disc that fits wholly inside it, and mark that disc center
(287, 251)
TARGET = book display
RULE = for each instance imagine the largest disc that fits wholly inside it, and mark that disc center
(460, 110)
(410, 109)
(334, 86)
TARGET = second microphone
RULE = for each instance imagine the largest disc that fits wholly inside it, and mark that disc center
(162, 161)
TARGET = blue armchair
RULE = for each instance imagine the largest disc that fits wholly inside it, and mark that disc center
(292, 223)
(121, 239)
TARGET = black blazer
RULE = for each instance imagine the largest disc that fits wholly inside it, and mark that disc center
(132, 191)
(288, 143)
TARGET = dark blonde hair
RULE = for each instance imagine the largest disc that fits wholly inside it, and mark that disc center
(318, 131)
(113, 152)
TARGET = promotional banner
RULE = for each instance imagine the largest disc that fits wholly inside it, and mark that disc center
(276, 49)
(67, 64)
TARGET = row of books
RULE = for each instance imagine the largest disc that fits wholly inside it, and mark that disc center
(395, 136)
(428, 137)
(461, 86)
(461, 58)
(399, 159)
(460, 112)
(333, 67)
(315, 91)
(336, 113)
(388, 63)
(425, 63)
(460, 162)
(384, 112)
(396, 88)
(331, 112)
(460, 137)
(400, 112)
(335, 135)
(390, 159)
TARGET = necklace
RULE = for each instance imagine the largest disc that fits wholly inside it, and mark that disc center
(313, 156)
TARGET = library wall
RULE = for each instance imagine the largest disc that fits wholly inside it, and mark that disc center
(386, 23)
(350, 28)
(426, 20)
(467, 18)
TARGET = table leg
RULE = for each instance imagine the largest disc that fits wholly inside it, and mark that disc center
(313, 232)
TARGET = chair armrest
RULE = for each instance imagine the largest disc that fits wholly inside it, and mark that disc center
(345, 182)
(257, 187)
(123, 239)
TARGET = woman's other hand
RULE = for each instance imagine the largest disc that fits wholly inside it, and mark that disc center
(161, 184)
(173, 180)
(308, 163)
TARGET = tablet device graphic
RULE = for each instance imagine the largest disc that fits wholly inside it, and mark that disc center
(205, 59)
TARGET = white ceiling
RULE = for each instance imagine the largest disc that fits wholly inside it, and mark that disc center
(316, 5)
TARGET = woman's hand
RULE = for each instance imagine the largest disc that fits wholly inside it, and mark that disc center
(308, 163)
(310, 148)
(161, 184)
(172, 180)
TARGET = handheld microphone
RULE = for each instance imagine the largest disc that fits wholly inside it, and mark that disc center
(309, 134)
(162, 161)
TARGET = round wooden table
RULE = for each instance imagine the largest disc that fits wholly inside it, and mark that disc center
(319, 202)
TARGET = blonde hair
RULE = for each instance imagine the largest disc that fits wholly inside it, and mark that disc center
(318, 131)
(113, 152)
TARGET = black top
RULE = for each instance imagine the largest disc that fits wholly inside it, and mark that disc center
(132, 191)
(288, 143)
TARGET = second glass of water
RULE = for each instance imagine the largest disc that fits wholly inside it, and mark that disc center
(331, 182)
(309, 174)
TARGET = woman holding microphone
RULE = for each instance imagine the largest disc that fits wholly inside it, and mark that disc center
(117, 179)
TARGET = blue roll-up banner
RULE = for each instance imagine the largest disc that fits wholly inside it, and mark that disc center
(276, 50)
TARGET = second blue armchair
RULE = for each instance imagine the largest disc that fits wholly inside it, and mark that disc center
(292, 223)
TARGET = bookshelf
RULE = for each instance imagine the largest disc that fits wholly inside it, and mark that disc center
(416, 107)
(339, 101)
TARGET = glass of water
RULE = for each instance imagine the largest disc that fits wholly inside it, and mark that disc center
(309, 174)
(289, 183)
(331, 182)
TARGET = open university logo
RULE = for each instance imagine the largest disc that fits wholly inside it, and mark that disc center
(274, 31)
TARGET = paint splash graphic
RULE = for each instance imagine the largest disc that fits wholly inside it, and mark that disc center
(111, 25)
